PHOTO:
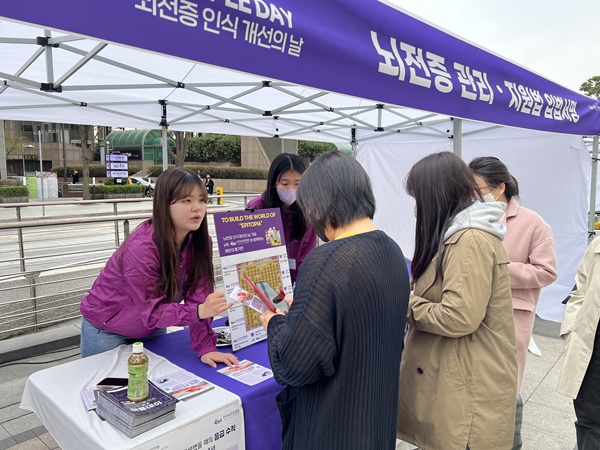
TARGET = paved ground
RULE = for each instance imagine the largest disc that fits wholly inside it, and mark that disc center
(548, 421)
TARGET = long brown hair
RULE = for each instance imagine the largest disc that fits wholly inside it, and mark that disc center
(172, 185)
(442, 186)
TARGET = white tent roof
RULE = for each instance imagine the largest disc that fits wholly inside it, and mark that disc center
(112, 85)
(56, 76)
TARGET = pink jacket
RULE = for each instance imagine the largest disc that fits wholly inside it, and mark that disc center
(530, 247)
(121, 301)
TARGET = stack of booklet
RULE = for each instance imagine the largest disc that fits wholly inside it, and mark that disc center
(133, 418)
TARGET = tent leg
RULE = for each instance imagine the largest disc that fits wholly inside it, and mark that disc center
(592, 216)
(457, 136)
(165, 160)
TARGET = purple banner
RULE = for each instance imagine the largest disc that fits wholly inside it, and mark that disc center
(246, 231)
(363, 48)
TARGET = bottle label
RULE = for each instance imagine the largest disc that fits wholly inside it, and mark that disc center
(137, 387)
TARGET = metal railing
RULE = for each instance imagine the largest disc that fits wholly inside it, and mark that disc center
(48, 261)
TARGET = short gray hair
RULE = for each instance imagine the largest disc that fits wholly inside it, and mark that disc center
(334, 191)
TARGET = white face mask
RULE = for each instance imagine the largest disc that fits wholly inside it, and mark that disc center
(287, 196)
(489, 198)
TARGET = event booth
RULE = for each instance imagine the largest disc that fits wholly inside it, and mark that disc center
(356, 71)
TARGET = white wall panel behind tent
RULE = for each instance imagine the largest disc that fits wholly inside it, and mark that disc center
(553, 172)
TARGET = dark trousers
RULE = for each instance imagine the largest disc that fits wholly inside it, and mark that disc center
(518, 441)
(587, 403)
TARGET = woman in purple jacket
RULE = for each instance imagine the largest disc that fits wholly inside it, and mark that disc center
(530, 247)
(284, 177)
(161, 276)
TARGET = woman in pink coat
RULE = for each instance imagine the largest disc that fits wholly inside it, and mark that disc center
(530, 248)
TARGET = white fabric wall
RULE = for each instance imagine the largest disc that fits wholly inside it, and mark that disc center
(553, 172)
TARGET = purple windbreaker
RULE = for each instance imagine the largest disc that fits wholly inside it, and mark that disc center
(121, 301)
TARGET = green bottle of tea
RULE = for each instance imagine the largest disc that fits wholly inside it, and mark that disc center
(137, 367)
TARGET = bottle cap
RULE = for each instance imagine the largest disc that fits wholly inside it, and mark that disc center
(138, 347)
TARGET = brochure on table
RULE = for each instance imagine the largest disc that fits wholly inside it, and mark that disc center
(182, 384)
(247, 372)
(252, 244)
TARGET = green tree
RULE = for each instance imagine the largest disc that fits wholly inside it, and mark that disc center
(591, 87)
(215, 148)
(180, 153)
(14, 144)
(312, 149)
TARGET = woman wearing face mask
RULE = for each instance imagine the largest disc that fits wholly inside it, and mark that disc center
(530, 248)
(284, 177)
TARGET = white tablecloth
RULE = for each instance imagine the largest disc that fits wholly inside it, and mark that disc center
(202, 421)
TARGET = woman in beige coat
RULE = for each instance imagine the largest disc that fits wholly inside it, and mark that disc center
(580, 375)
(458, 376)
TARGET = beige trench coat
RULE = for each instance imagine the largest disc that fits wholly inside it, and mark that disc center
(580, 322)
(458, 376)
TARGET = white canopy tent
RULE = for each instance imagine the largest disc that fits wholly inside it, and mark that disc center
(56, 76)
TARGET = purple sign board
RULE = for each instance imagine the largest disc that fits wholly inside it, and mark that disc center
(363, 48)
(252, 247)
(246, 231)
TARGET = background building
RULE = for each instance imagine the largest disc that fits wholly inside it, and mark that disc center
(20, 148)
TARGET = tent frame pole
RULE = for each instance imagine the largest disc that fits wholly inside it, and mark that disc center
(165, 160)
(49, 60)
(457, 136)
(592, 215)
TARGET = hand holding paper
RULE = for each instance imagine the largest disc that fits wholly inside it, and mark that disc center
(251, 301)
(260, 294)
(214, 305)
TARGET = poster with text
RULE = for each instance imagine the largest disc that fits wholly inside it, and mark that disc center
(49, 188)
(252, 245)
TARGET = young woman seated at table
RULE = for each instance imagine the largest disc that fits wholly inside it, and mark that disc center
(161, 276)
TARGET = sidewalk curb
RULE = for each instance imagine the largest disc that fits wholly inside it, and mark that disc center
(41, 342)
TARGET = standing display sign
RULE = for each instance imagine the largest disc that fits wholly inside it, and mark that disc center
(116, 166)
(253, 256)
(50, 185)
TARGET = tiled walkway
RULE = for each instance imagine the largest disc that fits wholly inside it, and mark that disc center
(548, 416)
